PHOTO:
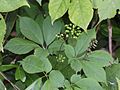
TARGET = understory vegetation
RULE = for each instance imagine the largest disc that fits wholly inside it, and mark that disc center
(59, 45)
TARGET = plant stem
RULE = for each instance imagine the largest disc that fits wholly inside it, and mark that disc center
(14, 86)
(110, 36)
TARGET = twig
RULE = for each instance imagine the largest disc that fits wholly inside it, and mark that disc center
(110, 36)
(14, 86)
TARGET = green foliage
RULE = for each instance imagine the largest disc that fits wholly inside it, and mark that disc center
(58, 9)
(53, 45)
(29, 33)
(7, 5)
(35, 85)
(19, 74)
(2, 32)
(51, 30)
(81, 8)
(2, 87)
(83, 41)
(20, 46)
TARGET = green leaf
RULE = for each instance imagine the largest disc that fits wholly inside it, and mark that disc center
(56, 46)
(56, 78)
(20, 46)
(31, 11)
(39, 1)
(88, 84)
(112, 72)
(40, 52)
(76, 65)
(36, 85)
(47, 65)
(31, 30)
(30, 78)
(81, 12)
(69, 51)
(117, 4)
(67, 85)
(107, 9)
(83, 41)
(2, 86)
(75, 78)
(96, 3)
(32, 64)
(57, 8)
(20, 74)
(50, 31)
(39, 19)
(2, 31)
(118, 81)
(48, 86)
(7, 5)
(7, 67)
(93, 71)
(101, 58)
(10, 22)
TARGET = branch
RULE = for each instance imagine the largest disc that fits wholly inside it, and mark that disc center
(14, 86)
(110, 36)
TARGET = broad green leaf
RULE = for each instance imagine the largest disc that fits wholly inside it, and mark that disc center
(40, 52)
(112, 72)
(93, 71)
(48, 86)
(83, 41)
(39, 1)
(20, 74)
(39, 19)
(20, 46)
(7, 5)
(31, 30)
(10, 22)
(81, 12)
(30, 78)
(57, 8)
(7, 67)
(103, 58)
(118, 81)
(67, 85)
(47, 65)
(36, 85)
(56, 78)
(117, 3)
(76, 65)
(57, 45)
(2, 86)
(107, 9)
(88, 84)
(32, 64)
(96, 3)
(69, 51)
(50, 31)
(2, 31)
(75, 78)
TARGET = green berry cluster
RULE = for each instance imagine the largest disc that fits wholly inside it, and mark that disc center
(72, 31)
(60, 58)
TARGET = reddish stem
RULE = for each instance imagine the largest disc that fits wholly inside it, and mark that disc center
(110, 36)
